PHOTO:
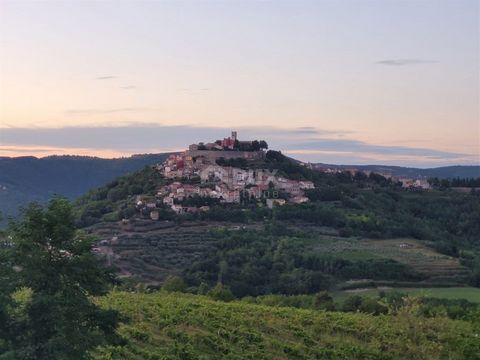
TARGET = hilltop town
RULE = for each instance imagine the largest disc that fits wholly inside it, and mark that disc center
(218, 172)
(231, 171)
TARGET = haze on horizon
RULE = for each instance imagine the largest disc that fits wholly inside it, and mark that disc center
(353, 82)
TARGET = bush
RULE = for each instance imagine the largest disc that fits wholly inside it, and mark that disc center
(324, 301)
(174, 284)
(135, 189)
(202, 289)
(365, 305)
(116, 194)
(221, 292)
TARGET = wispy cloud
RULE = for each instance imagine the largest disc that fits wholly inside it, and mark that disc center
(313, 131)
(128, 87)
(102, 111)
(306, 130)
(356, 146)
(108, 77)
(195, 91)
(405, 62)
(25, 149)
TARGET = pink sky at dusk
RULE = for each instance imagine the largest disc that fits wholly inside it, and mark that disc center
(371, 79)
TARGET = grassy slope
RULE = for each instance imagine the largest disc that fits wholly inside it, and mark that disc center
(179, 326)
(468, 293)
(436, 267)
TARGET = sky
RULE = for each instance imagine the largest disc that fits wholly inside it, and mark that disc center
(340, 81)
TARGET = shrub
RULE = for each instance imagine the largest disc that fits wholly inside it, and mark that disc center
(174, 284)
(202, 288)
(324, 301)
(221, 292)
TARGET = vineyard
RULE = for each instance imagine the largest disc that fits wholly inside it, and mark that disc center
(180, 326)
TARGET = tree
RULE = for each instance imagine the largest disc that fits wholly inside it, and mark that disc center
(116, 194)
(275, 156)
(221, 292)
(202, 288)
(475, 277)
(174, 284)
(372, 306)
(54, 267)
(6, 288)
(324, 301)
(352, 303)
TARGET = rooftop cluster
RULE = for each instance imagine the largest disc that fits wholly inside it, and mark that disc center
(206, 174)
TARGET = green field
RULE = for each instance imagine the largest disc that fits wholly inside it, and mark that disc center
(467, 293)
(181, 326)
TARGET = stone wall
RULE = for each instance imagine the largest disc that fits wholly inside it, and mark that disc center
(212, 155)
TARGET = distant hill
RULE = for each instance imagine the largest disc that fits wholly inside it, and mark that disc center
(27, 179)
(446, 172)
(339, 234)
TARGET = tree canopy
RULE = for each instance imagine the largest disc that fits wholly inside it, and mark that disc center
(48, 274)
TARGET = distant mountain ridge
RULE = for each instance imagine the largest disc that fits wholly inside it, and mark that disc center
(26, 179)
(444, 172)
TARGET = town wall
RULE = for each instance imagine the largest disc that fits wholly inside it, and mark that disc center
(234, 154)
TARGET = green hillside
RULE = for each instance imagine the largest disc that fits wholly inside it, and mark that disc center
(57, 300)
(355, 228)
(27, 179)
(180, 326)
(292, 274)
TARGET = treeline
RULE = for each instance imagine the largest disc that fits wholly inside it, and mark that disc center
(392, 302)
(456, 182)
(255, 145)
(452, 221)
